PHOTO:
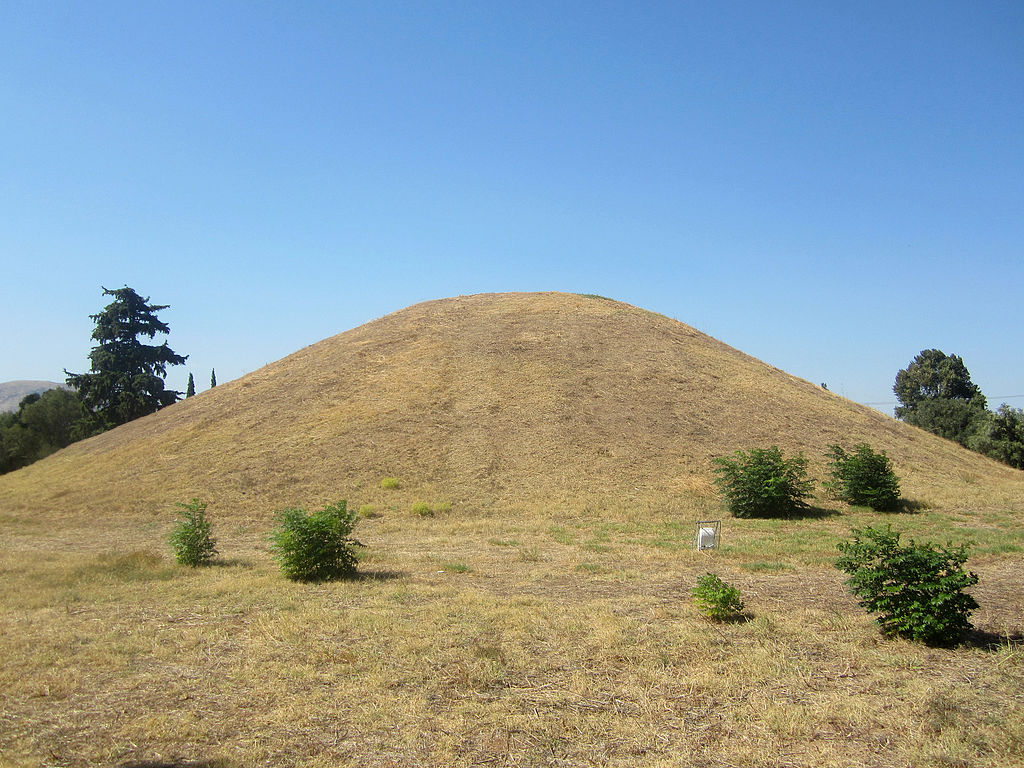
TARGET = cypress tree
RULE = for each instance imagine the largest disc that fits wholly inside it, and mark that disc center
(190, 388)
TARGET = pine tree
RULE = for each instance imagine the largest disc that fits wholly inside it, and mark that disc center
(126, 380)
(190, 388)
(213, 378)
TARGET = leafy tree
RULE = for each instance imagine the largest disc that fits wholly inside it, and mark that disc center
(190, 388)
(54, 417)
(42, 424)
(936, 393)
(863, 477)
(916, 589)
(18, 446)
(933, 375)
(127, 377)
(762, 483)
(957, 420)
(1001, 436)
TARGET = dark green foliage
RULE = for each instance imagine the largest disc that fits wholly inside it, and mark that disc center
(916, 589)
(54, 416)
(190, 388)
(191, 540)
(934, 375)
(936, 393)
(213, 378)
(762, 483)
(127, 377)
(317, 546)
(863, 477)
(957, 420)
(42, 425)
(1001, 436)
(716, 599)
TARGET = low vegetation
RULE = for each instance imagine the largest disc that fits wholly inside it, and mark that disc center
(761, 482)
(716, 599)
(422, 509)
(191, 540)
(917, 590)
(316, 546)
(863, 477)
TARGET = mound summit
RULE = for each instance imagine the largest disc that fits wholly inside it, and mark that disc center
(489, 402)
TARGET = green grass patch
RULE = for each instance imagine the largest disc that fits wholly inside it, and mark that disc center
(422, 509)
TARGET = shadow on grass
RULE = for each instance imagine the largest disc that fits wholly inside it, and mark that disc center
(992, 641)
(911, 506)
(813, 513)
(739, 618)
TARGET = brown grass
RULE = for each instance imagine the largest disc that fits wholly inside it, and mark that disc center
(491, 402)
(541, 616)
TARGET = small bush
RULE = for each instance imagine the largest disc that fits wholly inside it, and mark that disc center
(863, 477)
(716, 599)
(422, 509)
(317, 546)
(761, 483)
(368, 511)
(916, 589)
(390, 484)
(191, 540)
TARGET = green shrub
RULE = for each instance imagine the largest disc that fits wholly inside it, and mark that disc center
(390, 483)
(191, 540)
(317, 546)
(716, 599)
(422, 509)
(916, 589)
(863, 477)
(761, 483)
(368, 511)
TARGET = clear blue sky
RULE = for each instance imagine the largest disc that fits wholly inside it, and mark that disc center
(830, 187)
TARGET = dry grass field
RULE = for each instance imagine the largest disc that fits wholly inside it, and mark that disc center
(542, 615)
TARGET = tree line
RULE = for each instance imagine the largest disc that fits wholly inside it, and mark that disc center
(126, 380)
(935, 392)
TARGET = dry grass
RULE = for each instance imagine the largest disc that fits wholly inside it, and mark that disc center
(455, 649)
(492, 402)
(541, 616)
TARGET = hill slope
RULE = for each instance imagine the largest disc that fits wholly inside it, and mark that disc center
(494, 401)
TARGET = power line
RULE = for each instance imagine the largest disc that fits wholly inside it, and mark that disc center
(990, 399)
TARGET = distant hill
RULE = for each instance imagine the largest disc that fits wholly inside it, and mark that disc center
(13, 392)
(490, 402)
